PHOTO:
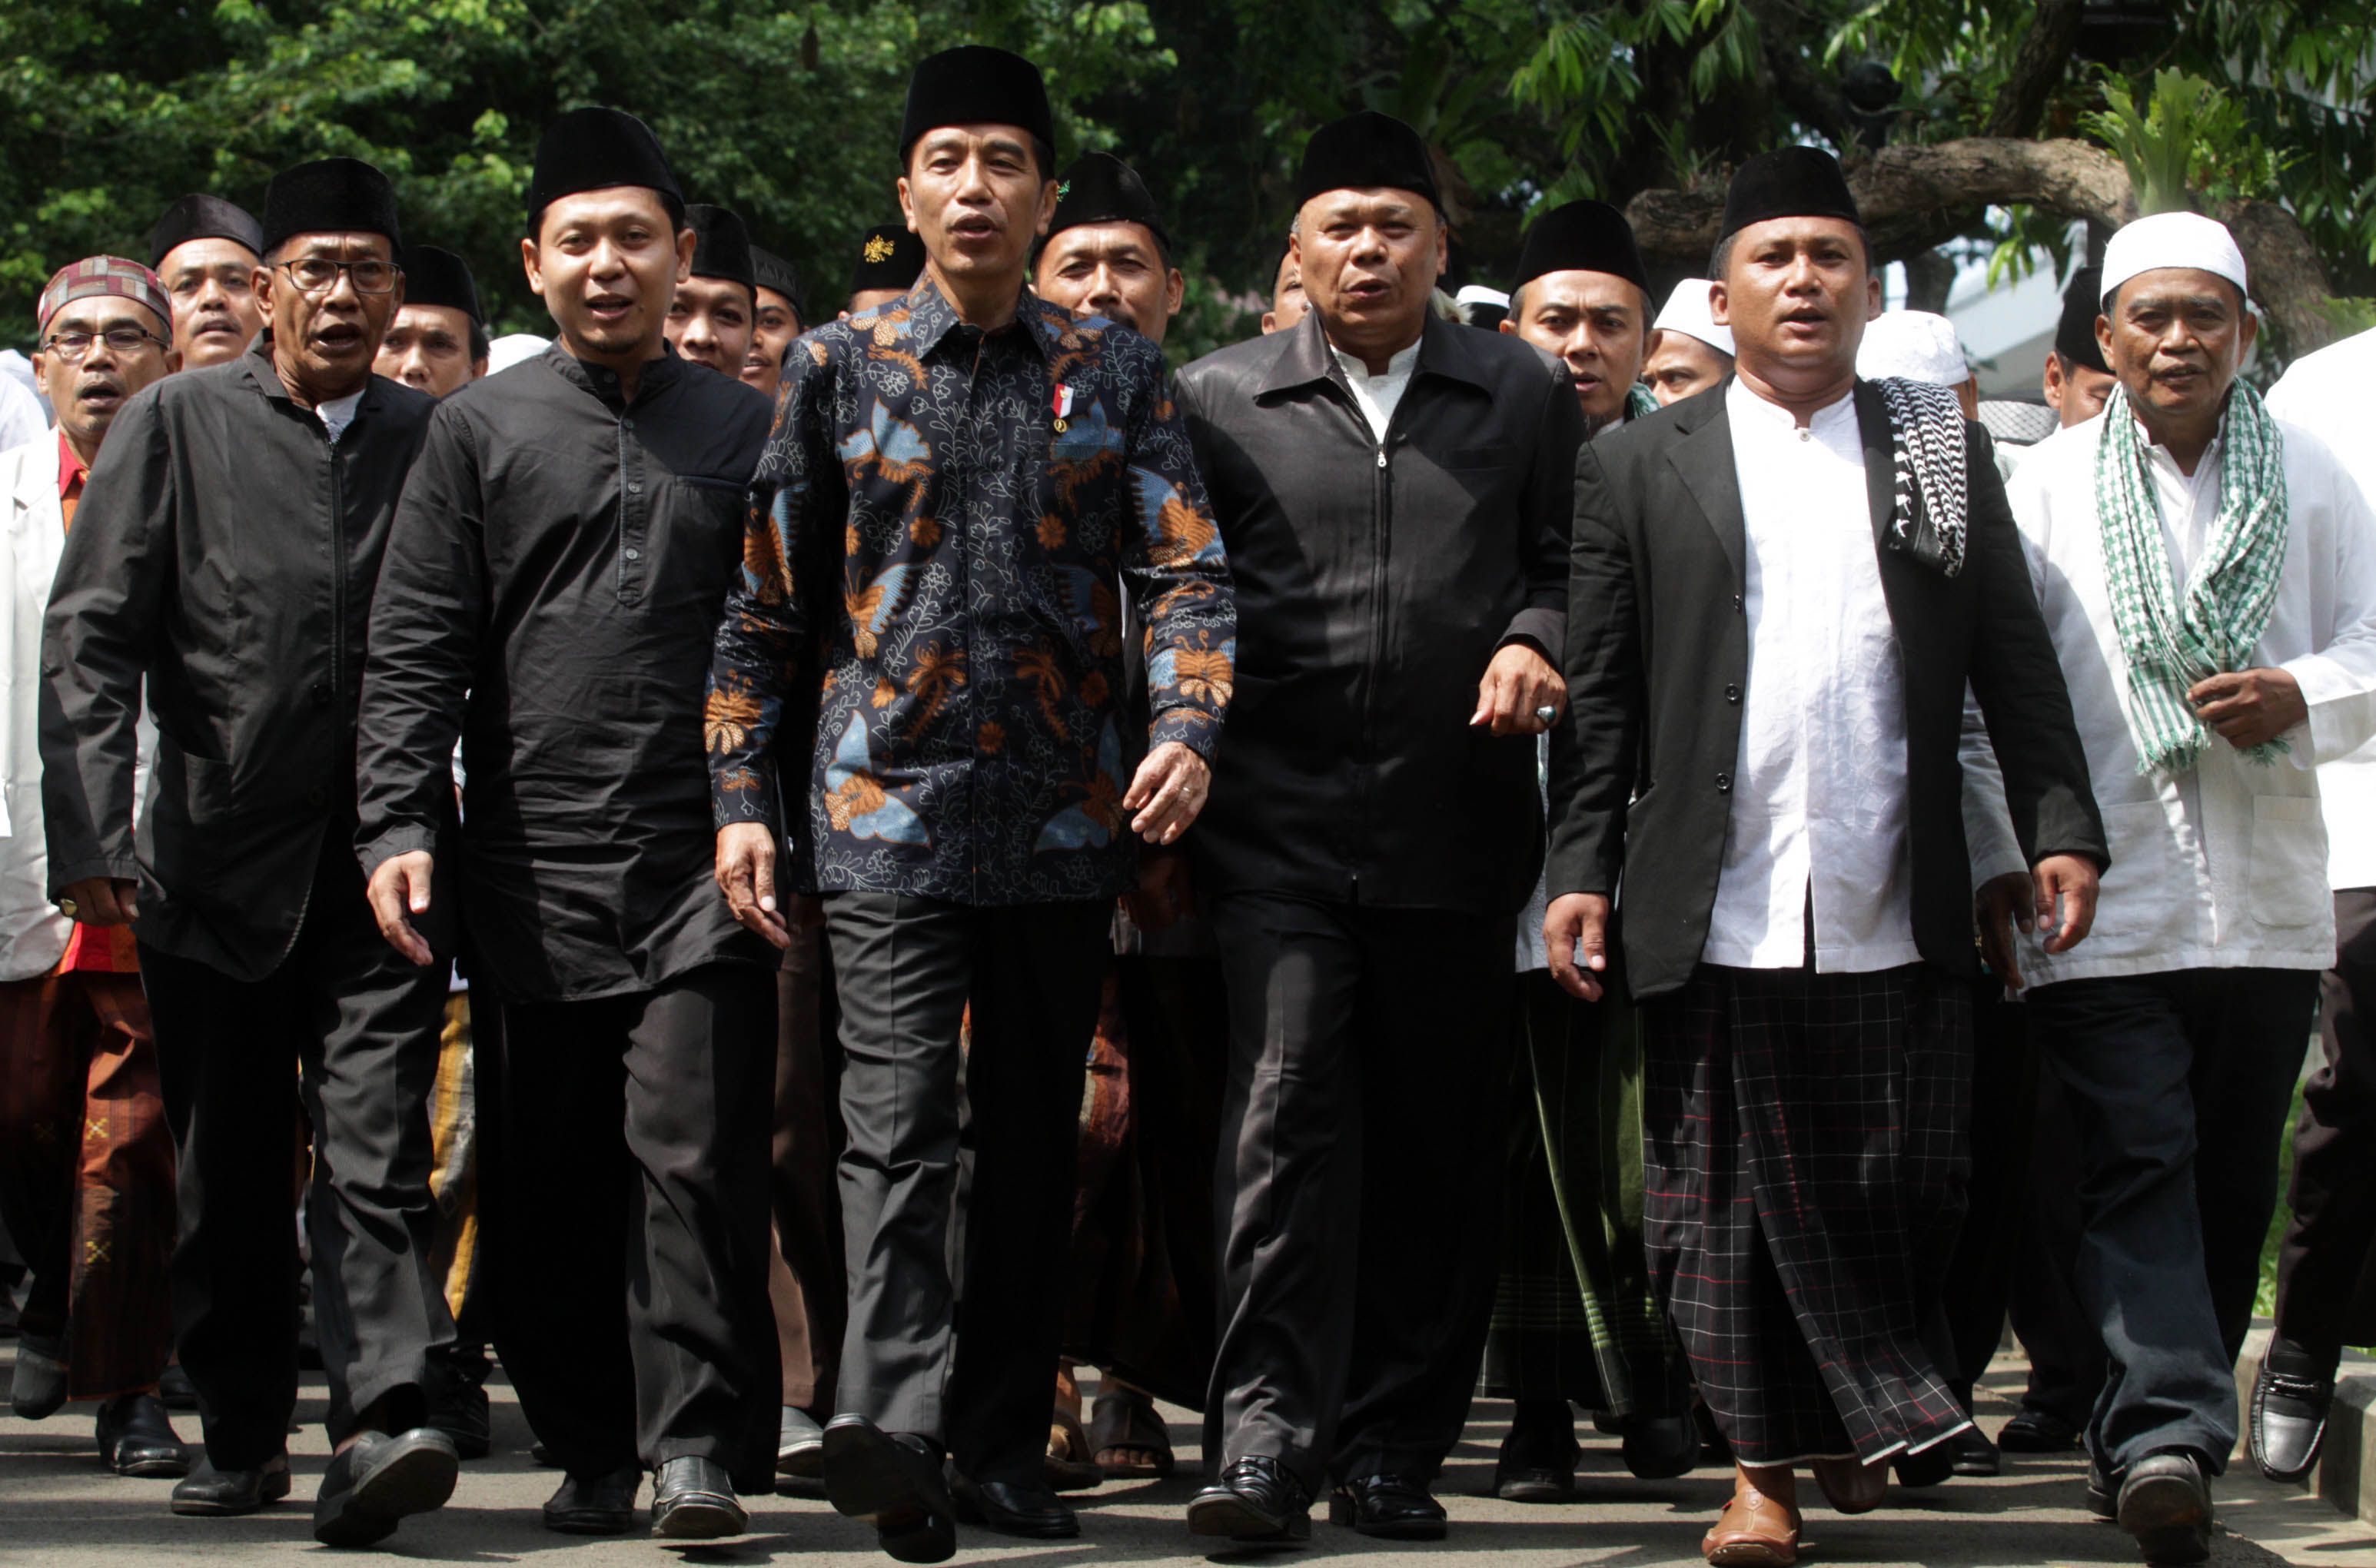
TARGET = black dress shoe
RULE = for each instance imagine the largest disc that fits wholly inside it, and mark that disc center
(2103, 1497)
(2033, 1430)
(136, 1438)
(1537, 1459)
(371, 1485)
(2289, 1405)
(1256, 1501)
(39, 1385)
(207, 1492)
(455, 1390)
(1969, 1452)
(2165, 1505)
(1389, 1508)
(692, 1500)
(893, 1480)
(1660, 1448)
(595, 1505)
(175, 1391)
(1932, 1467)
(1015, 1508)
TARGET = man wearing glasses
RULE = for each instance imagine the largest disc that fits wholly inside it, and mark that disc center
(86, 1159)
(222, 561)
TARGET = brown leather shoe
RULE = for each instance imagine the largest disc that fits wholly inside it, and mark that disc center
(1852, 1487)
(1754, 1531)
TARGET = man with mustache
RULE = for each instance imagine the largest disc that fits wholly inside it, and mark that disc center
(1395, 491)
(437, 343)
(711, 318)
(86, 1155)
(1581, 293)
(206, 251)
(556, 618)
(2209, 574)
(1107, 253)
(1772, 634)
(958, 486)
(218, 572)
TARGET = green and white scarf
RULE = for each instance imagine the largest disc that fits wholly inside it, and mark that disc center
(2169, 644)
(1640, 400)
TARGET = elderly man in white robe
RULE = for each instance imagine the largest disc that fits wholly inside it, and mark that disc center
(2209, 574)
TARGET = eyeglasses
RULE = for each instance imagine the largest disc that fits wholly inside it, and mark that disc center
(72, 346)
(319, 274)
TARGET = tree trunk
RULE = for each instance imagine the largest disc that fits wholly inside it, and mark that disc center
(1915, 198)
(1930, 275)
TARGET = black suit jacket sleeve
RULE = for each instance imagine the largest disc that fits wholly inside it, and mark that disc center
(2017, 681)
(98, 641)
(1595, 751)
(1543, 535)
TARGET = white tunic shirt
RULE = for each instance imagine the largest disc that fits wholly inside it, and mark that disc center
(2223, 865)
(2328, 393)
(1378, 394)
(1818, 802)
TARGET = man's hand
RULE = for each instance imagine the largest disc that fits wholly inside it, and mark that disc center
(102, 901)
(2029, 902)
(2248, 708)
(1163, 893)
(1574, 921)
(398, 890)
(1168, 793)
(1518, 682)
(746, 874)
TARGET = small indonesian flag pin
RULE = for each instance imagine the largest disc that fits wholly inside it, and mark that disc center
(1063, 405)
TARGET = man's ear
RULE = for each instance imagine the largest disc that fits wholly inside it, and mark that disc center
(685, 241)
(1719, 303)
(1175, 291)
(2251, 332)
(532, 265)
(1046, 212)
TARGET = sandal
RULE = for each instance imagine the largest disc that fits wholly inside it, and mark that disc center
(1126, 1422)
(1068, 1466)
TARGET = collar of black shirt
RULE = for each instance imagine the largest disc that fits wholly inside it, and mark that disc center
(603, 381)
(1444, 350)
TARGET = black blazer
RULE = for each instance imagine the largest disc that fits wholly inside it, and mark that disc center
(1658, 659)
(1374, 583)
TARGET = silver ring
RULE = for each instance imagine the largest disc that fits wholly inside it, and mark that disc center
(1546, 712)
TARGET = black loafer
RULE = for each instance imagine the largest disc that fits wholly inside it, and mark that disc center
(39, 1385)
(2288, 1420)
(1257, 1502)
(212, 1493)
(372, 1484)
(1012, 1508)
(2165, 1505)
(2103, 1497)
(1537, 1459)
(2033, 1430)
(175, 1390)
(1969, 1452)
(1932, 1467)
(1389, 1508)
(457, 1393)
(692, 1500)
(136, 1438)
(1660, 1448)
(595, 1505)
(894, 1483)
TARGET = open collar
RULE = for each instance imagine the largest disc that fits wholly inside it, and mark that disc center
(1303, 358)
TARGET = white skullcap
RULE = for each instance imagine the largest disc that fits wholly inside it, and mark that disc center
(511, 348)
(1479, 294)
(2172, 239)
(1913, 345)
(1688, 312)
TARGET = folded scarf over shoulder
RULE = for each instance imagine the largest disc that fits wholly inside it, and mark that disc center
(1930, 515)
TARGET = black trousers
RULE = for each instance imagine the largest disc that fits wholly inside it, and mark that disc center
(1981, 1272)
(1361, 1150)
(807, 1149)
(2323, 1263)
(623, 1193)
(906, 970)
(2180, 1083)
(2066, 1349)
(353, 1026)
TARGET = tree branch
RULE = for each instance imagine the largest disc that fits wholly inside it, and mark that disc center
(1815, 102)
(2044, 55)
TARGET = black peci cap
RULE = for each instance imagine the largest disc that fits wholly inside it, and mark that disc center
(437, 276)
(722, 246)
(329, 196)
(201, 217)
(892, 256)
(769, 270)
(976, 85)
(1789, 182)
(1101, 188)
(594, 150)
(1582, 236)
(1366, 152)
(2083, 302)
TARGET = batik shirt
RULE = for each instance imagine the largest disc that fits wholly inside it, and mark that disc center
(939, 532)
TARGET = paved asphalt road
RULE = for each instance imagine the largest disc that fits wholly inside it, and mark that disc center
(57, 1507)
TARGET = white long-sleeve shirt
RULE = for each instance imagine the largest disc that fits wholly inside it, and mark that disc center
(1818, 797)
(2223, 865)
(2327, 393)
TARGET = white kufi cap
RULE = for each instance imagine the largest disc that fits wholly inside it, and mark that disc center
(1687, 312)
(2173, 239)
(1913, 345)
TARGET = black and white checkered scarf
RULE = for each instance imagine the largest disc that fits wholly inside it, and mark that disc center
(1926, 433)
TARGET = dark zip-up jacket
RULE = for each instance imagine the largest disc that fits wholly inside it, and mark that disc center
(1376, 583)
(222, 563)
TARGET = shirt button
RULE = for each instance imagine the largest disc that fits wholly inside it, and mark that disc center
(1736, 604)
(1724, 783)
(627, 424)
(1733, 694)
(635, 489)
(634, 555)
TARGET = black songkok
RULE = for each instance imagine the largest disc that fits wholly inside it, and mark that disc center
(1101, 188)
(1366, 152)
(2075, 339)
(1583, 236)
(594, 150)
(435, 277)
(201, 217)
(892, 257)
(329, 196)
(769, 270)
(1789, 182)
(722, 246)
(976, 85)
